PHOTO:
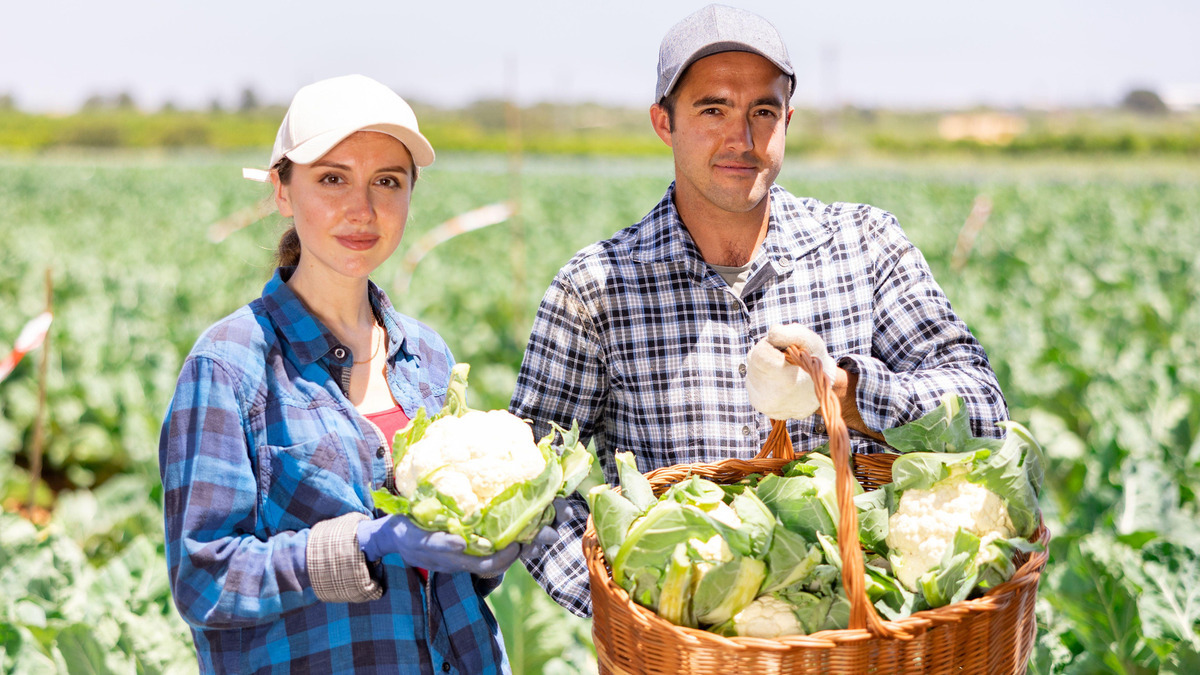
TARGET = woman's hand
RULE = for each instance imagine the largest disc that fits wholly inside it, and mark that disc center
(440, 551)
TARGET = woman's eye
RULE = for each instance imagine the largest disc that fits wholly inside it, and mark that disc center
(331, 179)
(388, 181)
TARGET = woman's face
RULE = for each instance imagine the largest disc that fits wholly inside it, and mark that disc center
(349, 206)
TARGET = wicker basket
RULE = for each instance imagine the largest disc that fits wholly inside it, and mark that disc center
(991, 634)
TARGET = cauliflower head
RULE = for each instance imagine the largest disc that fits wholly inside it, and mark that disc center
(471, 458)
(767, 617)
(925, 522)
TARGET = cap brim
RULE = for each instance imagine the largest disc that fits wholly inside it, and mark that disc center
(316, 147)
(257, 175)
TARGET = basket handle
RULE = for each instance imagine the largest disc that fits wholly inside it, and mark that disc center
(779, 444)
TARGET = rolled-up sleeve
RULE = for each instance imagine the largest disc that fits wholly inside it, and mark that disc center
(920, 348)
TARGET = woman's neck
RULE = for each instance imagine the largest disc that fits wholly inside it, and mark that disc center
(341, 303)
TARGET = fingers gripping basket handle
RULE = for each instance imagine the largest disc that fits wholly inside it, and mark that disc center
(779, 445)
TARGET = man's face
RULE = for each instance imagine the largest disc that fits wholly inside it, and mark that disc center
(730, 119)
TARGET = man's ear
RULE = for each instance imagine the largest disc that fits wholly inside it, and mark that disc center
(282, 198)
(788, 120)
(661, 121)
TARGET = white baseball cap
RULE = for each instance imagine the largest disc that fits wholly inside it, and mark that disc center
(324, 113)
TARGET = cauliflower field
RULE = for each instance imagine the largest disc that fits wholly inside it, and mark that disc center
(1081, 286)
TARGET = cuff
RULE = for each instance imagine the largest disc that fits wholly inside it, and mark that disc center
(879, 396)
(337, 567)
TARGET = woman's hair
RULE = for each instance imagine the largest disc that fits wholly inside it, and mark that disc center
(287, 253)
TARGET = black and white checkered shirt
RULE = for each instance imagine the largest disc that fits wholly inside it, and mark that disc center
(645, 345)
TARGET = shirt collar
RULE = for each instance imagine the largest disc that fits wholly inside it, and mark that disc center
(791, 233)
(308, 337)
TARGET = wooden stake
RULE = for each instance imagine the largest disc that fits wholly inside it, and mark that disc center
(35, 448)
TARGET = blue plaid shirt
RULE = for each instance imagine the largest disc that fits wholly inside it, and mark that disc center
(267, 469)
(645, 344)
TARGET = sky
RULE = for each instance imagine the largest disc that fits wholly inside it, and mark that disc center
(869, 53)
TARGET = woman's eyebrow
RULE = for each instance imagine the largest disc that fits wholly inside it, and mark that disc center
(399, 168)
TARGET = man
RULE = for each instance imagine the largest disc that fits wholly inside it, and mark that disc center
(643, 338)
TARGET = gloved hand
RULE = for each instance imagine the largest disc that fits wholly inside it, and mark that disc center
(436, 551)
(563, 511)
(778, 389)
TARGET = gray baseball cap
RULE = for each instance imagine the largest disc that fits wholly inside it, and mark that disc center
(715, 29)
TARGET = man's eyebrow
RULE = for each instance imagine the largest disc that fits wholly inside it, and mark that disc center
(772, 101)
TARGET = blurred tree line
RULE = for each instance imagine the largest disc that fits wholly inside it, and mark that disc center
(1140, 123)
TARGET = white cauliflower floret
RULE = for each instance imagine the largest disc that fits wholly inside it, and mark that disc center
(924, 524)
(724, 513)
(472, 458)
(767, 617)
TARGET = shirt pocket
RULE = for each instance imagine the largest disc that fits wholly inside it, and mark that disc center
(301, 485)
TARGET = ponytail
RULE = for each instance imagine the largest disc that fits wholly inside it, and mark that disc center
(287, 254)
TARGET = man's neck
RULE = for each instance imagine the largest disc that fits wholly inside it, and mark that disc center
(725, 238)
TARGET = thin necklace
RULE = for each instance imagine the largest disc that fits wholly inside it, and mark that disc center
(376, 349)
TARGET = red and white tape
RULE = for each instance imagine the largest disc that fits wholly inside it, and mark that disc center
(31, 337)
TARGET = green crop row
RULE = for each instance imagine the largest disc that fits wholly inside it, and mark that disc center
(1081, 285)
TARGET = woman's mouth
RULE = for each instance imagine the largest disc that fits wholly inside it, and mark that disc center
(357, 242)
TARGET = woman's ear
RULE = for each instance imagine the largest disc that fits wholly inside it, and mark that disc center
(282, 198)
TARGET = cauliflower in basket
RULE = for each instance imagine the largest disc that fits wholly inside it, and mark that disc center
(472, 458)
(926, 522)
(767, 617)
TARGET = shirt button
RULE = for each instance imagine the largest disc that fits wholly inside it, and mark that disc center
(339, 353)
(820, 428)
(445, 667)
(379, 452)
(746, 430)
(742, 370)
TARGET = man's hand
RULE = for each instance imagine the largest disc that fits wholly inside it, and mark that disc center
(436, 551)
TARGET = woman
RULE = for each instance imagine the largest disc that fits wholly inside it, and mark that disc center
(280, 427)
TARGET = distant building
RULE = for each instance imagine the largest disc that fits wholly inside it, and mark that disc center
(992, 128)
(1181, 97)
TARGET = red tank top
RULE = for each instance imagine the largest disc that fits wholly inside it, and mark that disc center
(389, 422)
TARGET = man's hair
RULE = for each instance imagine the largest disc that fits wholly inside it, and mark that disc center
(667, 103)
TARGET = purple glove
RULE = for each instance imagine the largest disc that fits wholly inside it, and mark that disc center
(565, 510)
(435, 551)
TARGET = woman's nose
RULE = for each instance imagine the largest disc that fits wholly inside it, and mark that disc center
(360, 208)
